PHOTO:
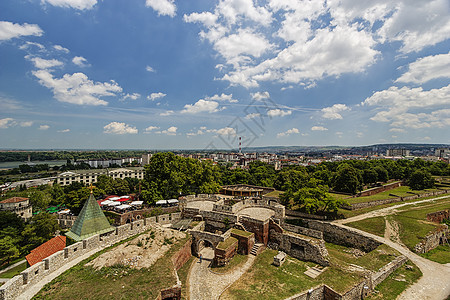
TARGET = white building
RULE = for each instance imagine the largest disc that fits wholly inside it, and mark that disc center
(90, 176)
(18, 205)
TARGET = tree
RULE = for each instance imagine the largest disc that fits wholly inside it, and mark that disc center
(8, 250)
(347, 179)
(382, 173)
(370, 176)
(40, 200)
(314, 198)
(420, 179)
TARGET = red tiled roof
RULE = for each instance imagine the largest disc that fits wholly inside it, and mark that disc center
(46, 249)
(14, 200)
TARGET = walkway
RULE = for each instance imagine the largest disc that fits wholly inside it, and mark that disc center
(435, 282)
(203, 284)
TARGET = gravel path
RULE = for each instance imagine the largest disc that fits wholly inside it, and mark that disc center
(13, 265)
(435, 282)
(203, 284)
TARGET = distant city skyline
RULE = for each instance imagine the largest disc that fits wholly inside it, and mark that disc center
(148, 74)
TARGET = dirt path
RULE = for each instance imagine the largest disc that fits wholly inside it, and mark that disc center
(435, 282)
(203, 284)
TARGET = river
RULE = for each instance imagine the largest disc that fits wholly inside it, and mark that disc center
(16, 164)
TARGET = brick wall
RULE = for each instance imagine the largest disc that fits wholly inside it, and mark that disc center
(182, 255)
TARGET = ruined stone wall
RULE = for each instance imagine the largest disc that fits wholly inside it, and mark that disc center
(182, 255)
(223, 256)
(258, 227)
(315, 293)
(303, 230)
(380, 189)
(245, 243)
(387, 270)
(302, 248)
(432, 240)
(30, 276)
(300, 214)
(342, 236)
(439, 216)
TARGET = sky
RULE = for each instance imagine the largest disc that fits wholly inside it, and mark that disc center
(171, 74)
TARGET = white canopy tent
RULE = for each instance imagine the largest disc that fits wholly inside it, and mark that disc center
(136, 203)
(114, 203)
(161, 202)
(123, 206)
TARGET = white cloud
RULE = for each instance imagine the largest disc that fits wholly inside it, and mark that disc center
(150, 129)
(319, 128)
(397, 130)
(427, 68)
(41, 63)
(260, 96)
(77, 4)
(222, 97)
(44, 127)
(199, 132)
(28, 44)
(163, 7)
(6, 122)
(26, 123)
(201, 106)
(411, 107)
(252, 116)
(288, 132)
(167, 113)
(119, 128)
(227, 131)
(10, 30)
(278, 113)
(61, 48)
(133, 96)
(80, 61)
(150, 69)
(77, 88)
(64, 130)
(155, 96)
(333, 112)
(170, 131)
(207, 18)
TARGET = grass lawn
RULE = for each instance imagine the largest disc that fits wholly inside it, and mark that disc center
(115, 282)
(275, 194)
(396, 283)
(14, 271)
(265, 281)
(339, 196)
(440, 254)
(237, 261)
(375, 225)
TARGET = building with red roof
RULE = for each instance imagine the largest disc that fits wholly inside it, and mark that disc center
(46, 249)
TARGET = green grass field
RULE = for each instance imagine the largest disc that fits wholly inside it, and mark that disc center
(14, 271)
(396, 283)
(375, 225)
(265, 281)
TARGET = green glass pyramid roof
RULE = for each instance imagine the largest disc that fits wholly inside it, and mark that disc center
(90, 221)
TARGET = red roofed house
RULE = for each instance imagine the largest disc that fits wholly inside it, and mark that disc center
(18, 205)
(46, 249)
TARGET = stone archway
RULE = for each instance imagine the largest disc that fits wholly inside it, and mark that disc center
(199, 238)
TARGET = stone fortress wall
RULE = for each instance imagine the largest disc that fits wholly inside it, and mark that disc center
(32, 275)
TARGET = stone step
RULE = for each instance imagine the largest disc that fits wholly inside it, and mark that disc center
(255, 249)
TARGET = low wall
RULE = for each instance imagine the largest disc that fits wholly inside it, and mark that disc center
(303, 230)
(342, 236)
(30, 276)
(432, 240)
(182, 255)
(439, 216)
(387, 270)
(380, 189)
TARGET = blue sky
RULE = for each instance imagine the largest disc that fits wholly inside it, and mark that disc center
(165, 74)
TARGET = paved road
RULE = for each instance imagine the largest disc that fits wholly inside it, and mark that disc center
(435, 282)
(203, 284)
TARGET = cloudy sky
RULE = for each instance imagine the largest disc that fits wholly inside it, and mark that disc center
(160, 74)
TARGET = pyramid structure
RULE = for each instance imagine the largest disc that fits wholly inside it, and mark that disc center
(90, 221)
